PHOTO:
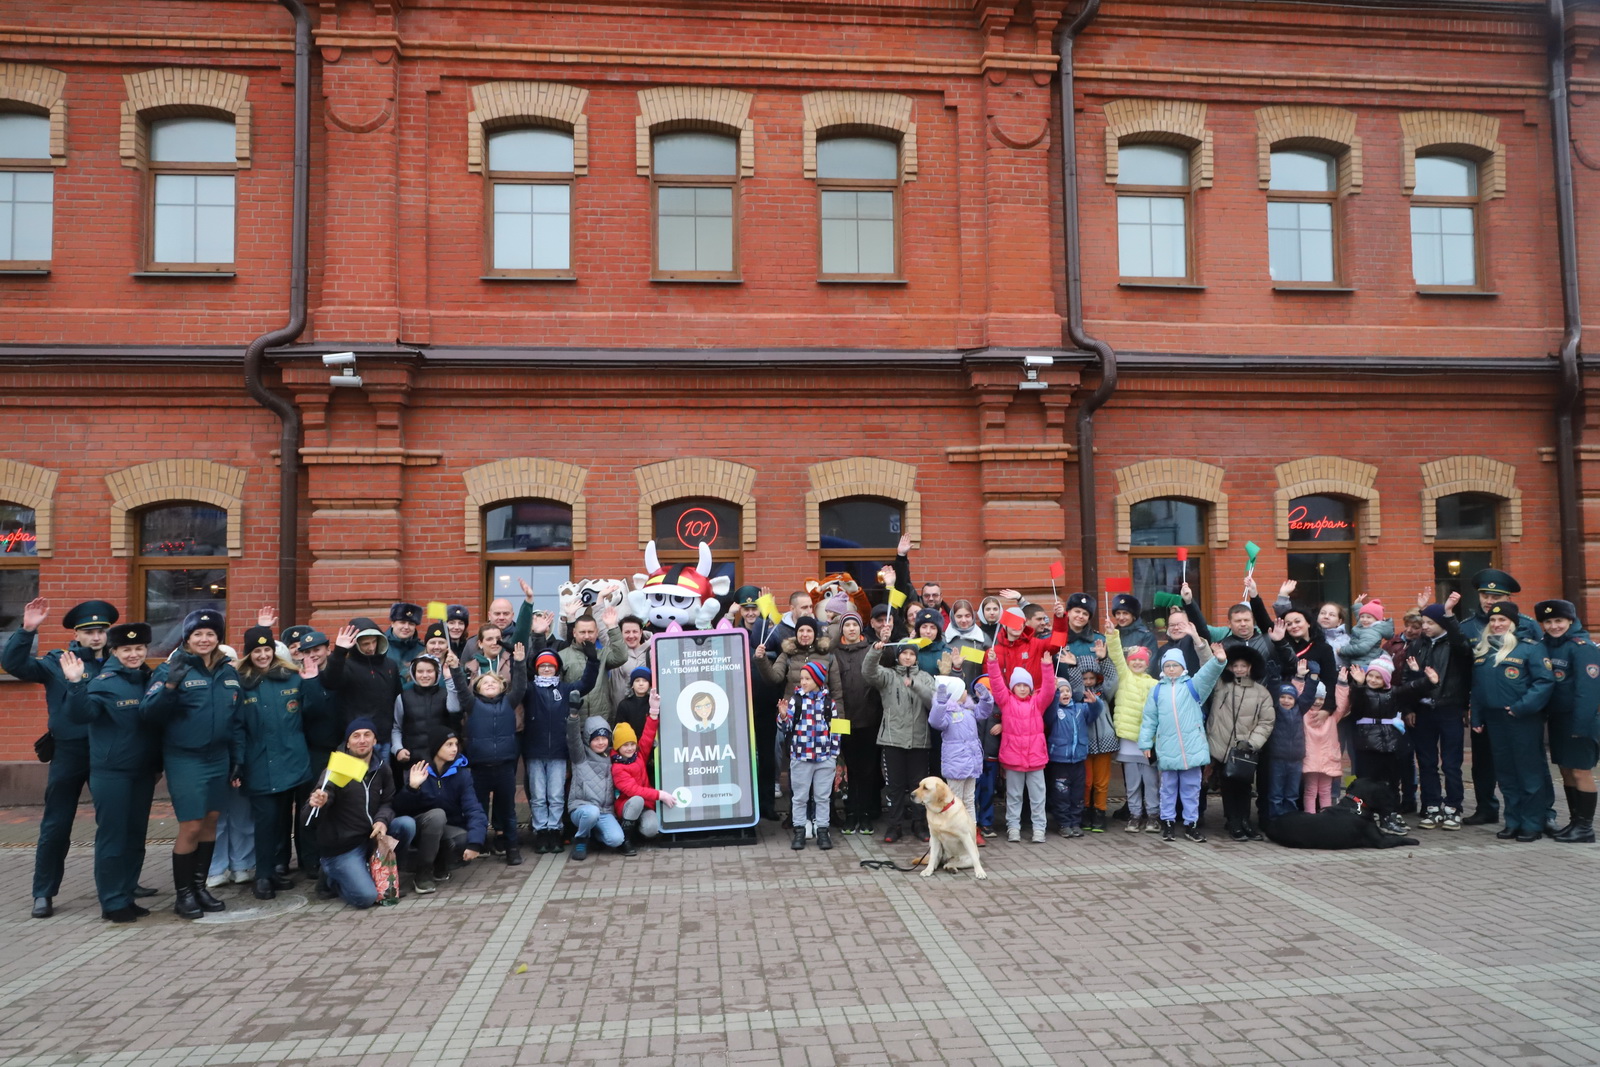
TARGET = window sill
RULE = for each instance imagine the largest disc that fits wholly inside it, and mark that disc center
(861, 281)
(699, 281)
(1313, 289)
(1161, 285)
(214, 275)
(562, 277)
(1430, 291)
(24, 272)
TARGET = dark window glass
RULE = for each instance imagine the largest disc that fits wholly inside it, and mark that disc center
(1321, 518)
(169, 595)
(682, 524)
(1453, 570)
(18, 585)
(1321, 577)
(17, 535)
(527, 526)
(864, 571)
(1153, 574)
(1467, 517)
(860, 523)
(1166, 522)
(183, 530)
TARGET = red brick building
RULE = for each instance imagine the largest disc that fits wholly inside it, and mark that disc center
(785, 264)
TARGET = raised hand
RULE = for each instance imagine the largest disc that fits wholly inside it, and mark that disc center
(527, 590)
(1287, 588)
(1011, 595)
(1219, 652)
(1099, 650)
(1451, 601)
(885, 575)
(655, 704)
(1433, 675)
(541, 622)
(1411, 661)
(1422, 599)
(1278, 631)
(1250, 591)
(346, 637)
(520, 652)
(1302, 668)
(35, 612)
(309, 668)
(419, 774)
(451, 660)
(268, 617)
(1358, 675)
(904, 547)
(71, 667)
(1068, 658)
(610, 616)
(1186, 592)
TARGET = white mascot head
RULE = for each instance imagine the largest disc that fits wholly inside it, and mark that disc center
(679, 595)
(589, 596)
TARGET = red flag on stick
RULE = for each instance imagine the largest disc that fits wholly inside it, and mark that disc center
(1119, 585)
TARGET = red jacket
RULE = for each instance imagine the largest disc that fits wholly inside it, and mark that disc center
(1026, 652)
(632, 779)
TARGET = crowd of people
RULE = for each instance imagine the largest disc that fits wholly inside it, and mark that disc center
(384, 750)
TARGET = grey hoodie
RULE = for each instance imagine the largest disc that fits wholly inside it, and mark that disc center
(591, 770)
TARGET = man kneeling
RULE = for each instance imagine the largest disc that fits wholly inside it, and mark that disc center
(438, 794)
(351, 818)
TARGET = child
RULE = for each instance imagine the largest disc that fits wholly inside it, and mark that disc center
(1379, 731)
(1324, 760)
(805, 721)
(1286, 748)
(1067, 725)
(490, 727)
(636, 798)
(1172, 733)
(1139, 776)
(959, 718)
(544, 743)
(1365, 643)
(1023, 753)
(1099, 685)
(634, 708)
(591, 791)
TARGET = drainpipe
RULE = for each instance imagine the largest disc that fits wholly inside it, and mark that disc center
(288, 414)
(1569, 399)
(1107, 357)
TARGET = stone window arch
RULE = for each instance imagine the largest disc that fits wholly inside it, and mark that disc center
(164, 480)
(496, 105)
(1184, 478)
(1309, 128)
(40, 91)
(176, 92)
(1181, 123)
(32, 487)
(1455, 133)
(1472, 474)
(695, 107)
(863, 114)
(696, 476)
(1329, 476)
(862, 476)
(523, 478)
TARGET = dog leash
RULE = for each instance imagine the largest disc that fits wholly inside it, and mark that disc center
(891, 865)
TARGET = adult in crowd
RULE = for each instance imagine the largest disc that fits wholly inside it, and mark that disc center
(352, 817)
(862, 705)
(457, 620)
(425, 712)
(903, 736)
(619, 679)
(404, 645)
(364, 678)
(1493, 587)
(1437, 724)
(1573, 714)
(439, 797)
(324, 731)
(502, 616)
(932, 594)
(276, 759)
(747, 614)
(1511, 685)
(1126, 612)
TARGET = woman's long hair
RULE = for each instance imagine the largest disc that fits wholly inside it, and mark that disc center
(250, 674)
(1503, 647)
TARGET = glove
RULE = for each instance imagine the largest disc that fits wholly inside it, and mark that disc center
(236, 773)
(178, 670)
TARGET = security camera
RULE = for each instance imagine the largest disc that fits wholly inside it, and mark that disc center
(346, 379)
(1039, 361)
(338, 359)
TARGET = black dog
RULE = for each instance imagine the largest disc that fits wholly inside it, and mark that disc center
(1351, 823)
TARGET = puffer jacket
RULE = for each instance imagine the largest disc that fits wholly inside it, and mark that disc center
(1323, 755)
(590, 781)
(907, 694)
(858, 701)
(489, 727)
(366, 685)
(1374, 711)
(275, 756)
(1174, 724)
(1240, 711)
(1288, 739)
(1068, 726)
(1365, 643)
(452, 793)
(631, 777)
(1027, 652)
(1133, 690)
(1022, 743)
(959, 722)
(792, 659)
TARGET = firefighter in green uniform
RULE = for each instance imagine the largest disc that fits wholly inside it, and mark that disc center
(1493, 586)
(1511, 685)
(1573, 714)
(276, 762)
(124, 763)
(194, 699)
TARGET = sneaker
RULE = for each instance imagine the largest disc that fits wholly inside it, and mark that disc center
(1135, 824)
(865, 827)
(215, 880)
(981, 842)
(1450, 819)
(424, 885)
(848, 827)
(1431, 817)
(1236, 831)
(1252, 833)
(1038, 835)
(580, 849)
(1074, 831)
(1013, 835)
(498, 846)
(240, 877)
(1065, 831)
(891, 835)
(1192, 831)
(1391, 825)
(824, 840)
(1167, 830)
(1097, 822)
(1152, 824)
(799, 841)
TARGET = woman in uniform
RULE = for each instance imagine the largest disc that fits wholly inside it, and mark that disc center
(1511, 684)
(124, 763)
(193, 698)
(276, 760)
(1573, 713)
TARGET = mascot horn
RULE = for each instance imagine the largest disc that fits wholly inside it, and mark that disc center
(680, 594)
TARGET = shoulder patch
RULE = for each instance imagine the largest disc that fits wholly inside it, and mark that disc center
(1513, 672)
(1593, 670)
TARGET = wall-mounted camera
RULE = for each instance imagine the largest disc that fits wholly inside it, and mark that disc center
(347, 376)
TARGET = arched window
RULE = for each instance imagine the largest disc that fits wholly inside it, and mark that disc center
(181, 566)
(193, 165)
(858, 184)
(1300, 218)
(1157, 529)
(1153, 189)
(1324, 553)
(679, 526)
(19, 563)
(27, 189)
(1444, 223)
(527, 541)
(530, 187)
(1467, 539)
(860, 535)
(695, 187)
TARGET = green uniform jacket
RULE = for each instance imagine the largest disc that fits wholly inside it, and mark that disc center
(108, 707)
(320, 717)
(1521, 683)
(201, 714)
(19, 662)
(275, 756)
(1473, 625)
(1575, 661)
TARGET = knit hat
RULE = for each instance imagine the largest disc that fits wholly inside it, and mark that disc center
(435, 629)
(362, 723)
(1285, 689)
(818, 672)
(1173, 655)
(1435, 612)
(1373, 608)
(622, 735)
(1383, 667)
(808, 620)
(1020, 676)
(1137, 652)
(544, 656)
(637, 673)
(951, 686)
(847, 616)
(983, 680)
(1322, 691)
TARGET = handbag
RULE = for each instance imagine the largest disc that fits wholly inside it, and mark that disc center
(45, 747)
(1241, 764)
(385, 873)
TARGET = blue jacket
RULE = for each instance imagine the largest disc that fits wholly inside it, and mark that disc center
(545, 709)
(108, 707)
(275, 755)
(1288, 738)
(202, 714)
(1522, 682)
(452, 793)
(489, 730)
(1174, 722)
(19, 662)
(1066, 727)
(320, 717)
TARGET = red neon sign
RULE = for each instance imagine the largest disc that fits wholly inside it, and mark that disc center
(696, 525)
(12, 538)
(1317, 526)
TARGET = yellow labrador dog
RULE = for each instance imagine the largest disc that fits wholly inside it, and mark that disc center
(952, 835)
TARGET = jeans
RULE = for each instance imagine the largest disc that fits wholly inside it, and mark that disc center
(499, 779)
(1283, 786)
(1143, 784)
(983, 793)
(69, 773)
(810, 782)
(269, 815)
(236, 836)
(547, 791)
(1066, 792)
(1188, 784)
(587, 817)
(349, 873)
(1439, 738)
(1033, 782)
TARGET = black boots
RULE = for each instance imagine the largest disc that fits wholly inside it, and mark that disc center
(1581, 830)
(186, 904)
(824, 839)
(630, 830)
(513, 851)
(202, 865)
(799, 841)
(263, 889)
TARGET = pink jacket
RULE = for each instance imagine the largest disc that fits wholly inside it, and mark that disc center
(1022, 743)
(1322, 736)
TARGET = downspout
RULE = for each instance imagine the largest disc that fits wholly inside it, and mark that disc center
(1569, 398)
(288, 414)
(1088, 522)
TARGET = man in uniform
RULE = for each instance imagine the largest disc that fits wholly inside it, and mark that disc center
(1493, 586)
(69, 764)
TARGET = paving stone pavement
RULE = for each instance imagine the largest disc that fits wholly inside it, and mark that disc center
(1112, 949)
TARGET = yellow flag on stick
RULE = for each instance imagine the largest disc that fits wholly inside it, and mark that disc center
(438, 609)
(344, 768)
(920, 642)
(897, 598)
(769, 608)
(971, 655)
